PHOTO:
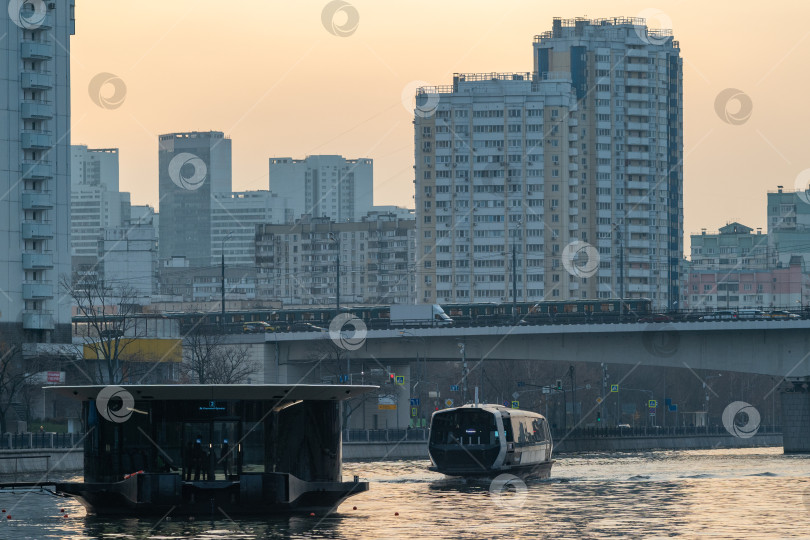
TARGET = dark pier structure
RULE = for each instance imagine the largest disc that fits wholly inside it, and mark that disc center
(211, 449)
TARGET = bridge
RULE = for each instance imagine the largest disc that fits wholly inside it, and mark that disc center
(779, 348)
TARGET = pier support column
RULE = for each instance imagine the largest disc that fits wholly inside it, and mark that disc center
(796, 416)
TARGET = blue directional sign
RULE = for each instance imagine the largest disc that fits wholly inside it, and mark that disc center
(415, 401)
(673, 407)
(454, 388)
(521, 384)
(668, 402)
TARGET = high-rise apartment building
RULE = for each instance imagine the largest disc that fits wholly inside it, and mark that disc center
(324, 186)
(234, 217)
(35, 170)
(95, 202)
(298, 263)
(789, 225)
(194, 166)
(575, 166)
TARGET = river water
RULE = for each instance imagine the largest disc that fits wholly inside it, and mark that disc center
(749, 493)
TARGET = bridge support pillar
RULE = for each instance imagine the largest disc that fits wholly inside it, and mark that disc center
(796, 416)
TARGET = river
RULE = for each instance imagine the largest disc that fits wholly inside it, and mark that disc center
(754, 493)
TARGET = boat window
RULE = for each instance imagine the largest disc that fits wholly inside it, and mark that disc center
(528, 431)
(464, 426)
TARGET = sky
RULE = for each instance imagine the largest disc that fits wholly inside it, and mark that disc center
(288, 79)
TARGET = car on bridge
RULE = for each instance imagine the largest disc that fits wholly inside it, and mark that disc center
(782, 314)
(257, 327)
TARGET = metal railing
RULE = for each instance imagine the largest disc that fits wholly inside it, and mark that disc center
(385, 435)
(654, 431)
(422, 434)
(22, 441)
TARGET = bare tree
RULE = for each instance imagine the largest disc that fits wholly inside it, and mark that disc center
(209, 360)
(15, 375)
(110, 326)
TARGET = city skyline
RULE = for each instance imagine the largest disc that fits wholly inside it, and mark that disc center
(350, 93)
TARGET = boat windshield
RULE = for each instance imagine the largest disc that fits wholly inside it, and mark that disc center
(464, 426)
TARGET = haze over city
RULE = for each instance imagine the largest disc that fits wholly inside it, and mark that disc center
(274, 79)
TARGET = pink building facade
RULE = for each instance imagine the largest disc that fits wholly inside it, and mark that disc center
(780, 288)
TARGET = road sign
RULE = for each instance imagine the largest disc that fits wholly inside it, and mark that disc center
(400, 379)
(515, 404)
(599, 400)
(614, 388)
(448, 402)
(673, 407)
(521, 384)
(651, 411)
(668, 402)
(652, 403)
(454, 388)
(415, 401)
(515, 395)
(414, 411)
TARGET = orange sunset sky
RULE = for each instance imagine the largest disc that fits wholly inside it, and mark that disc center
(271, 76)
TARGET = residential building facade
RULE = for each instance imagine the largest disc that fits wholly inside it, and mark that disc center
(298, 264)
(95, 201)
(324, 186)
(35, 171)
(576, 166)
(234, 217)
(789, 224)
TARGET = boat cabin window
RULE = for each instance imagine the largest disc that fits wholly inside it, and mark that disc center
(527, 431)
(464, 426)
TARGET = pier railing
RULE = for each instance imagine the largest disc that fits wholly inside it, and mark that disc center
(21, 441)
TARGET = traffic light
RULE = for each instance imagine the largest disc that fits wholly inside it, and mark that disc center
(559, 384)
(598, 417)
(391, 378)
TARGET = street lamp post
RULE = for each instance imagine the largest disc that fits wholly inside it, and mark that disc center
(463, 374)
(222, 280)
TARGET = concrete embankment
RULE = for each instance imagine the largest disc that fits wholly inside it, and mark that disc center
(418, 449)
(51, 460)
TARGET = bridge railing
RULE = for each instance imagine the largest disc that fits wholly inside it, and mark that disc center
(22, 441)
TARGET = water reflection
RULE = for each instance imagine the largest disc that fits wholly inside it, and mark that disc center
(722, 493)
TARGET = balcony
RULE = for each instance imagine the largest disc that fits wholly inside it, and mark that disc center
(35, 320)
(32, 140)
(35, 110)
(32, 200)
(34, 80)
(37, 170)
(32, 230)
(573, 151)
(635, 169)
(34, 261)
(32, 50)
(35, 291)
